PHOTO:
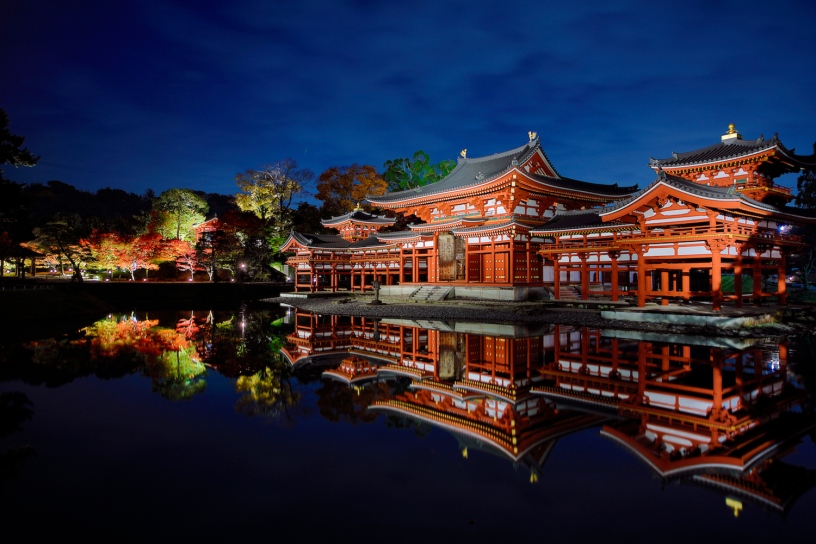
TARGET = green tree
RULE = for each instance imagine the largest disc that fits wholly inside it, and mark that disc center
(805, 259)
(269, 192)
(402, 174)
(343, 188)
(178, 211)
(11, 146)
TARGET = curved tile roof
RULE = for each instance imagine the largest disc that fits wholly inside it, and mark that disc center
(710, 192)
(469, 172)
(360, 216)
(729, 149)
(586, 186)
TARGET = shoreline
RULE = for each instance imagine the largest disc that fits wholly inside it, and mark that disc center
(541, 313)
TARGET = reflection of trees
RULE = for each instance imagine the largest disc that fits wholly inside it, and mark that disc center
(339, 402)
(267, 393)
(177, 374)
(242, 344)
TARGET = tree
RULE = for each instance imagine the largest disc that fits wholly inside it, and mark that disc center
(11, 147)
(269, 192)
(806, 187)
(64, 236)
(402, 174)
(178, 211)
(342, 188)
(806, 198)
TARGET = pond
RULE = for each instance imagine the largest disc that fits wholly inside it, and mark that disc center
(271, 422)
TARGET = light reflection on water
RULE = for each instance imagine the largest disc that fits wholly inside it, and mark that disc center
(427, 416)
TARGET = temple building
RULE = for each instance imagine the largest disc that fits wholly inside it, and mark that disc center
(472, 231)
(709, 212)
(509, 227)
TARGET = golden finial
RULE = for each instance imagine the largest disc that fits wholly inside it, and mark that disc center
(464, 453)
(357, 208)
(732, 129)
(463, 153)
(532, 135)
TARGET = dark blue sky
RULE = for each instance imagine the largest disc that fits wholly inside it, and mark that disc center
(144, 94)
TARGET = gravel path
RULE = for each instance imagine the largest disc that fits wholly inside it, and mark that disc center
(521, 312)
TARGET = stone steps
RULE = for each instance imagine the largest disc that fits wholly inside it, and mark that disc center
(430, 293)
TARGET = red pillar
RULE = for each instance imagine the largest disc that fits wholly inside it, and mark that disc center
(614, 256)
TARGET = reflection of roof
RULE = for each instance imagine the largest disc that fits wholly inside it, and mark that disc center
(730, 149)
(740, 453)
(358, 216)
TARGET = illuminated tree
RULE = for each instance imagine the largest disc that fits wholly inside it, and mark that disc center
(178, 211)
(343, 188)
(268, 193)
(402, 174)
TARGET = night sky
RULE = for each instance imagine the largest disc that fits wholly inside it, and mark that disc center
(143, 94)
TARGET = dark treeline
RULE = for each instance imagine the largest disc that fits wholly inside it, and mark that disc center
(183, 231)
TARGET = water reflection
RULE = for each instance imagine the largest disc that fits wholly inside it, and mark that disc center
(718, 413)
(715, 412)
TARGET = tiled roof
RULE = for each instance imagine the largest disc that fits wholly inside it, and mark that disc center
(481, 170)
(371, 241)
(469, 172)
(730, 149)
(571, 220)
(324, 241)
(586, 186)
(710, 192)
(497, 224)
(361, 216)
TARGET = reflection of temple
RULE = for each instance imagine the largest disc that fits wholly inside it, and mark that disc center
(712, 411)
(717, 414)
(477, 386)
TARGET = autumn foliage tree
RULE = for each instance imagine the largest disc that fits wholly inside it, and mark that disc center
(342, 188)
(270, 191)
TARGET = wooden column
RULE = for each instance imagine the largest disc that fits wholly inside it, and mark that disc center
(641, 283)
(556, 276)
(664, 287)
(716, 275)
(757, 291)
(685, 284)
(493, 260)
(738, 279)
(584, 277)
(333, 282)
(614, 256)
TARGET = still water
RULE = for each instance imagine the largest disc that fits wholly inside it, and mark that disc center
(213, 425)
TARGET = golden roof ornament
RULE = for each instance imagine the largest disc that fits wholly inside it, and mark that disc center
(532, 135)
(732, 134)
(463, 153)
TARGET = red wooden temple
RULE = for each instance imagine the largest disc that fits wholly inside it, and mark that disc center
(508, 226)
